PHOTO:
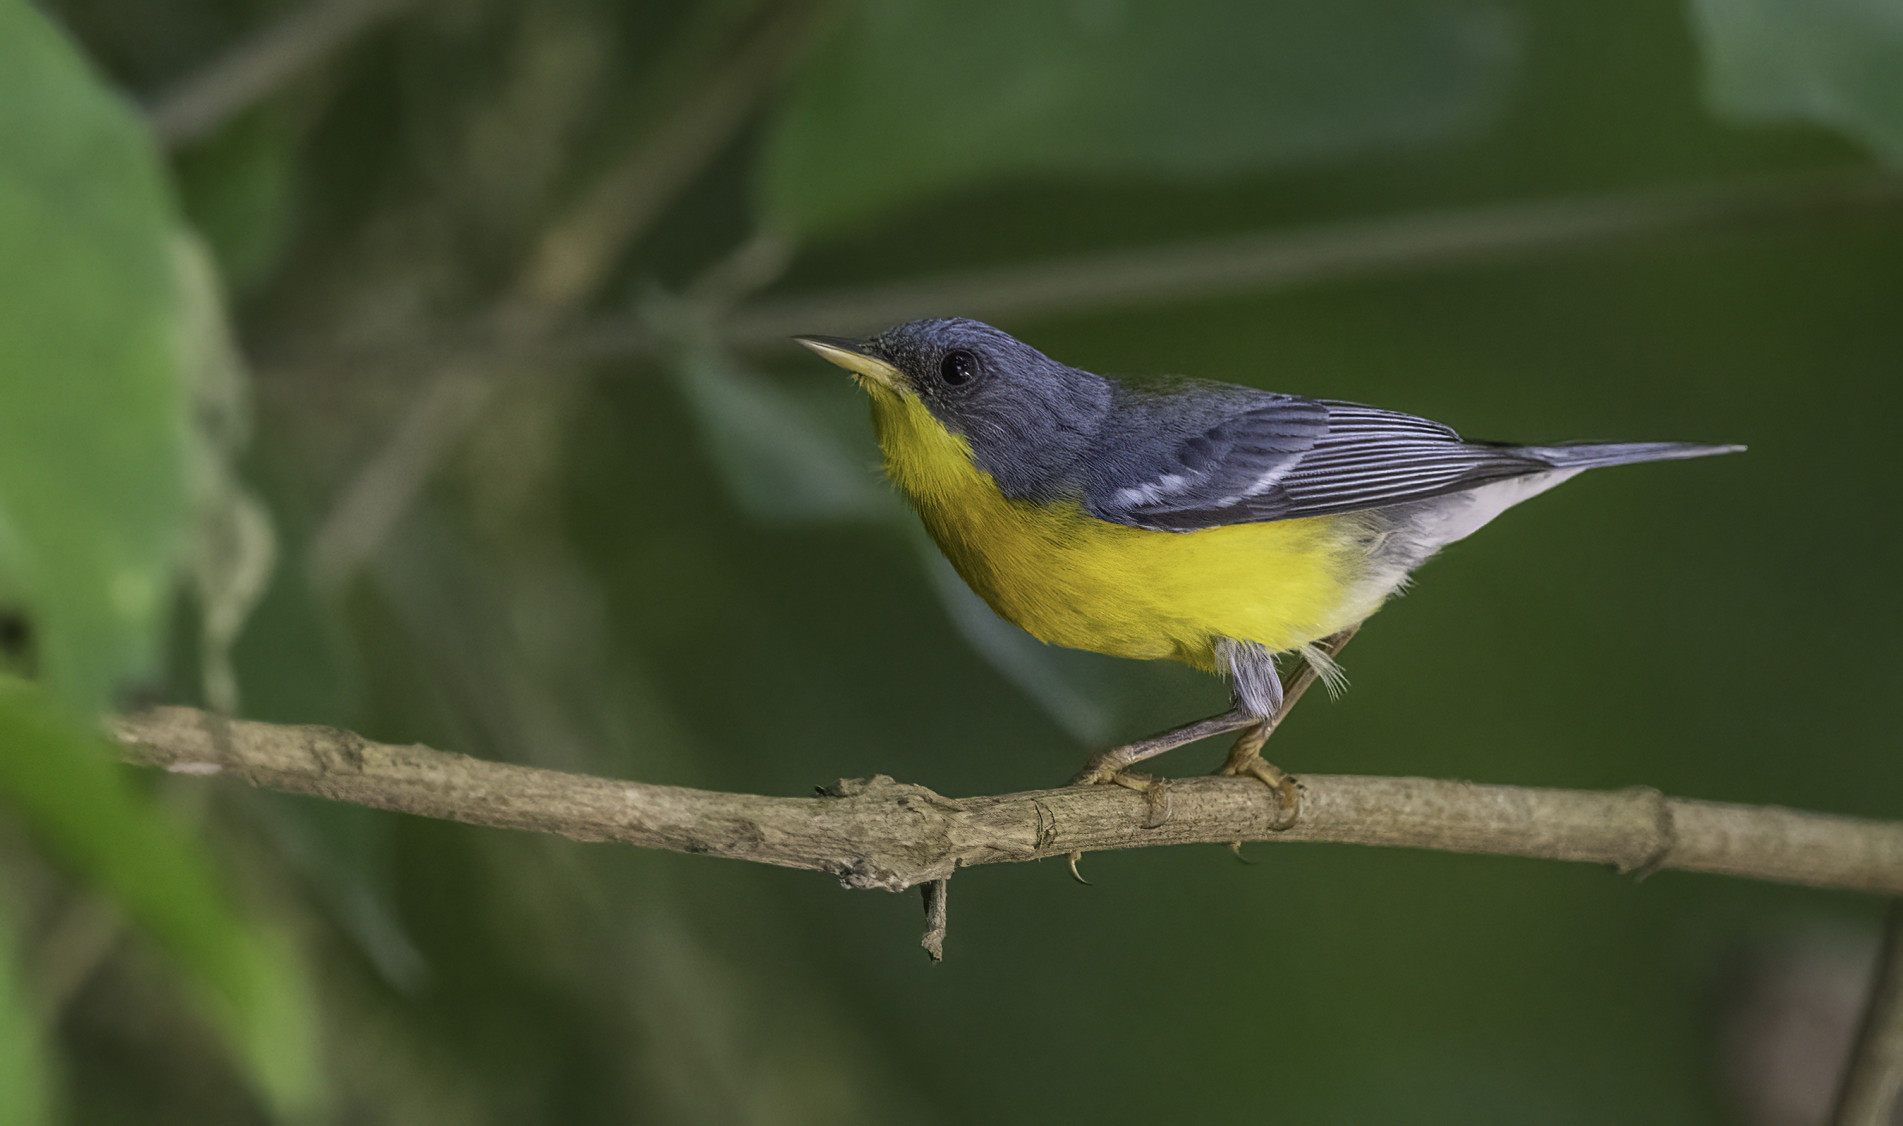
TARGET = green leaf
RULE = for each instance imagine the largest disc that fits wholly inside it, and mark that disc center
(93, 399)
(59, 778)
(23, 1064)
(911, 98)
(786, 457)
(1077, 690)
(1837, 63)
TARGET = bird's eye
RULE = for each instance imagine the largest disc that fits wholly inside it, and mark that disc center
(958, 368)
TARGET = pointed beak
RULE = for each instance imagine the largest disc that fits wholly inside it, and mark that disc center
(860, 357)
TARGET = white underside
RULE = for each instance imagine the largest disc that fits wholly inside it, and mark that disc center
(1444, 520)
(1420, 529)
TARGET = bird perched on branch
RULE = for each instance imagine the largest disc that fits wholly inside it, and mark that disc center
(1202, 522)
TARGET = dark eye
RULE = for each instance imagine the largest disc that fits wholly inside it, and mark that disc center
(958, 368)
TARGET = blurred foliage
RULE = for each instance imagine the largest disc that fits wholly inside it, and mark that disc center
(787, 454)
(61, 784)
(1833, 62)
(912, 98)
(240, 191)
(678, 563)
(96, 454)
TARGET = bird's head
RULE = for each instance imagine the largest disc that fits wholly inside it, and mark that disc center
(1024, 417)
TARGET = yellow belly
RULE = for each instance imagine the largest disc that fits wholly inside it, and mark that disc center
(1070, 579)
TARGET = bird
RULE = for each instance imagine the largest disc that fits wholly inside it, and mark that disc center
(1214, 524)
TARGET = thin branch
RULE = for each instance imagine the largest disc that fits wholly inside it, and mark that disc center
(884, 834)
(937, 892)
(255, 68)
(1873, 1078)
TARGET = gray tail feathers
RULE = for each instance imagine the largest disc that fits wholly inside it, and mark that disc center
(1587, 455)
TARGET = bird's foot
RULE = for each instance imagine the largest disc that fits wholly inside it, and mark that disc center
(1245, 760)
(1155, 789)
(1113, 766)
(1288, 794)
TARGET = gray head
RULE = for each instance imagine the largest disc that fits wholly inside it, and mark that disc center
(1027, 418)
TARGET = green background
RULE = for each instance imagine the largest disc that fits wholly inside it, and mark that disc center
(678, 566)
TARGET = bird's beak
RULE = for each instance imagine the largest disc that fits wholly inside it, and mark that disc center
(860, 357)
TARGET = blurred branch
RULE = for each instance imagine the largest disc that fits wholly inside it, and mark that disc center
(569, 264)
(574, 257)
(1281, 259)
(261, 64)
(1874, 1078)
(382, 491)
(1260, 262)
(879, 833)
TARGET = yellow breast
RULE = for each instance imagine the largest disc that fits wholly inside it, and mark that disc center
(1071, 579)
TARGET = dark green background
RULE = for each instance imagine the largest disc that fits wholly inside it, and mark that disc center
(584, 586)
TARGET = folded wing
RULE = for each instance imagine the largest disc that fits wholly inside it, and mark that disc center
(1280, 457)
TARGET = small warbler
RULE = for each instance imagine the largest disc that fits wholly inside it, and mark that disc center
(1202, 522)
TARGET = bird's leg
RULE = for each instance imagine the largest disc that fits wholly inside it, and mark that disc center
(1245, 757)
(1110, 765)
(1262, 702)
(1113, 765)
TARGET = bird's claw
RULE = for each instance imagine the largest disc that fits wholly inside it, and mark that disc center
(1288, 793)
(1074, 873)
(1156, 789)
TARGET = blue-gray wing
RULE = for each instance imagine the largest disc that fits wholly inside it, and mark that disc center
(1279, 457)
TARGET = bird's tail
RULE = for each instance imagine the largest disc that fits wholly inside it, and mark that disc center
(1589, 455)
